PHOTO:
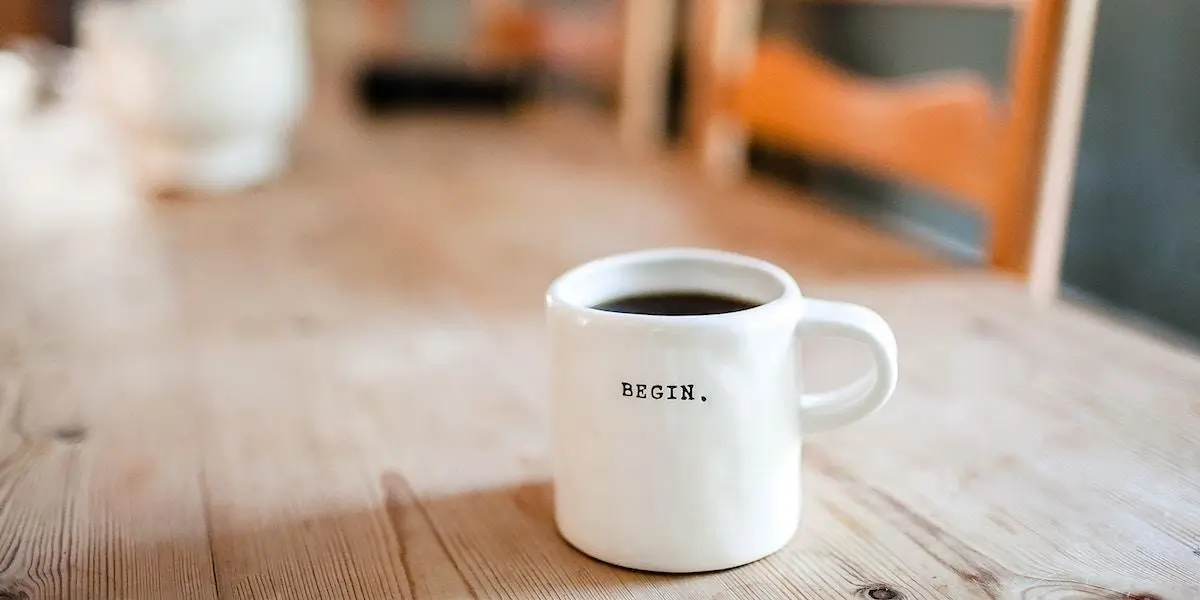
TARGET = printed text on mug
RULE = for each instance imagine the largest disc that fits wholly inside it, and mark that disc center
(660, 392)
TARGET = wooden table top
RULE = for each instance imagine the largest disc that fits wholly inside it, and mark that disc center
(332, 387)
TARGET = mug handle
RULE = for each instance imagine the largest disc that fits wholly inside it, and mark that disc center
(824, 411)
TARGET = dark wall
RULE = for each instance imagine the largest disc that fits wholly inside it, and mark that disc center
(1134, 241)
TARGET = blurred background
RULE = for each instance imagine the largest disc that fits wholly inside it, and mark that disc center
(1134, 228)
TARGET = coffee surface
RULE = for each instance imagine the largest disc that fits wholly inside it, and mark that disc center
(676, 304)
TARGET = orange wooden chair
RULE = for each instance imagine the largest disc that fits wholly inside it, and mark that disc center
(951, 133)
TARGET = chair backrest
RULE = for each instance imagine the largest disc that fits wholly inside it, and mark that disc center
(947, 131)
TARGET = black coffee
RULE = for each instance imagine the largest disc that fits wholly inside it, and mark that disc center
(676, 304)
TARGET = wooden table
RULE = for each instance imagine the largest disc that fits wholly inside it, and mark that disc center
(332, 387)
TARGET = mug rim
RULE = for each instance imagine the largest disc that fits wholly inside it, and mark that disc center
(556, 296)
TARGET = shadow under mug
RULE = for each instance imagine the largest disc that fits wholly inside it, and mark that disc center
(676, 439)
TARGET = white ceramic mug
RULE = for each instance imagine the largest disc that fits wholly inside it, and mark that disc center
(676, 439)
(207, 93)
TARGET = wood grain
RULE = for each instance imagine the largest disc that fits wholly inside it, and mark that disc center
(331, 387)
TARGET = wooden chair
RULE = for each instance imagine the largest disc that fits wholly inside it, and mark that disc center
(951, 133)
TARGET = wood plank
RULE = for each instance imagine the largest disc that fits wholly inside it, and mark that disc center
(85, 510)
(102, 492)
(332, 386)
(1064, 443)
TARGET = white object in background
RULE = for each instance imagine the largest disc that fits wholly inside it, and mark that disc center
(18, 86)
(206, 93)
(676, 439)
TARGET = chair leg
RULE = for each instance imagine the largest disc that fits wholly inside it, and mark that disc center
(1031, 90)
(648, 39)
(1058, 176)
(723, 35)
